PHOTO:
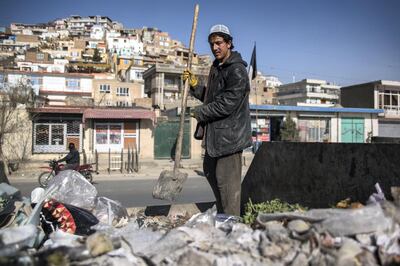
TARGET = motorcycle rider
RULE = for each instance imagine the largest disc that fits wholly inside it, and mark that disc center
(72, 158)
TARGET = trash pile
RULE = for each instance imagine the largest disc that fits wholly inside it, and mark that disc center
(71, 224)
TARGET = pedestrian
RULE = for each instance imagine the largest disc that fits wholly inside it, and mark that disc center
(72, 158)
(223, 119)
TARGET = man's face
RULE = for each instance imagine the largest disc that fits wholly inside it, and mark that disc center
(220, 48)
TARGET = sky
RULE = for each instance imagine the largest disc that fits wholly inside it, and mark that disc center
(341, 41)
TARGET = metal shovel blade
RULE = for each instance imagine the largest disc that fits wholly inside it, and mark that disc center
(169, 185)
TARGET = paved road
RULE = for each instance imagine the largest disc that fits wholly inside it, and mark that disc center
(137, 193)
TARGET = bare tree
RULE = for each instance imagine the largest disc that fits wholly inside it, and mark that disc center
(14, 99)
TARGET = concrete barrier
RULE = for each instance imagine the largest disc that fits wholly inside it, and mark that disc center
(320, 174)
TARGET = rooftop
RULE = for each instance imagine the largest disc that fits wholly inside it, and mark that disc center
(315, 109)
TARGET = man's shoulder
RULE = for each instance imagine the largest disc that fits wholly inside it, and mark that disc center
(237, 69)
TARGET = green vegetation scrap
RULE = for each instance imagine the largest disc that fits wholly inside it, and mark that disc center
(275, 205)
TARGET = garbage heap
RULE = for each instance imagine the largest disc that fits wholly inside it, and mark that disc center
(71, 224)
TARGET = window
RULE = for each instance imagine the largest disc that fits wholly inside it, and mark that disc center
(389, 100)
(36, 81)
(115, 134)
(122, 91)
(314, 129)
(57, 134)
(101, 134)
(72, 84)
(122, 104)
(42, 135)
(40, 56)
(108, 136)
(73, 127)
(104, 88)
(126, 62)
(2, 79)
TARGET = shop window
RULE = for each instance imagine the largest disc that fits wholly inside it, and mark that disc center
(108, 136)
(42, 134)
(73, 127)
(57, 134)
(115, 134)
(314, 129)
(101, 134)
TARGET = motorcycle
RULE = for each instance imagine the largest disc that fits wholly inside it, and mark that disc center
(54, 168)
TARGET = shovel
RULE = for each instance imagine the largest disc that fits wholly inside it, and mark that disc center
(170, 182)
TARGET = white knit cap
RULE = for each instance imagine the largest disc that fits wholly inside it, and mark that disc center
(221, 29)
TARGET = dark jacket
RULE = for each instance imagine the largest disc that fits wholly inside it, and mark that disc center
(72, 157)
(225, 110)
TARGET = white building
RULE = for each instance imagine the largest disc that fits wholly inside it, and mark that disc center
(125, 46)
(81, 26)
(58, 88)
(97, 32)
(272, 81)
(309, 92)
(58, 66)
(50, 35)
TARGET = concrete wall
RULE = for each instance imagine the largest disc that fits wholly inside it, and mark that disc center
(320, 174)
(18, 144)
(146, 139)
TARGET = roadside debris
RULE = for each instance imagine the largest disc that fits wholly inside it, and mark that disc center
(97, 230)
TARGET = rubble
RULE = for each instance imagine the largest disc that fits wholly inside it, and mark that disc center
(368, 235)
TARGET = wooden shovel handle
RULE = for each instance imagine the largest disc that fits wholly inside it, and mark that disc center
(178, 150)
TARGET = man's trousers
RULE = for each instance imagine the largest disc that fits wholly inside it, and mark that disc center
(224, 176)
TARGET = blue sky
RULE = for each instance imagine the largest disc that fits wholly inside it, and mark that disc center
(342, 41)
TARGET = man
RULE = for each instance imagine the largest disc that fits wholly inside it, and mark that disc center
(72, 158)
(225, 116)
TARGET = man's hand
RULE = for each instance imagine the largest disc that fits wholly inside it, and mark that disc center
(187, 74)
(194, 112)
(191, 113)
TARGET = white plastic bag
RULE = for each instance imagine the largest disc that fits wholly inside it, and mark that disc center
(109, 211)
(73, 189)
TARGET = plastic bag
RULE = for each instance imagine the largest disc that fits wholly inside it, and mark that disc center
(37, 194)
(69, 218)
(225, 222)
(207, 217)
(14, 239)
(73, 189)
(377, 197)
(9, 192)
(61, 238)
(109, 211)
